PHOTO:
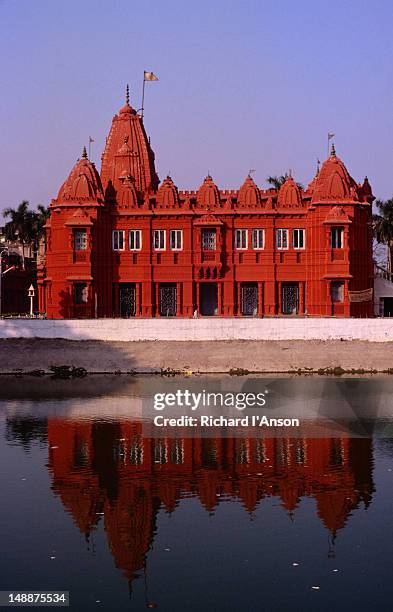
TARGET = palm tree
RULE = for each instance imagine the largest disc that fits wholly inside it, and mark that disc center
(20, 227)
(39, 220)
(383, 227)
(277, 181)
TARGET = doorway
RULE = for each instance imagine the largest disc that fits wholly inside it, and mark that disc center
(127, 300)
(208, 299)
(290, 298)
(388, 307)
(249, 299)
(168, 299)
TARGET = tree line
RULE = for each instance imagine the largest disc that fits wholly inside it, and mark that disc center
(25, 226)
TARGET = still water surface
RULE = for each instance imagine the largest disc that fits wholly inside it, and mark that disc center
(124, 522)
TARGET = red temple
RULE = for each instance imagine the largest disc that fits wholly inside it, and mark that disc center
(121, 244)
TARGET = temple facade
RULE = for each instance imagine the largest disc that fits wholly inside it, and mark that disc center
(122, 244)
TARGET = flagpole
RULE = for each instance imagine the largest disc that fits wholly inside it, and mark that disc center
(89, 148)
(143, 94)
(147, 76)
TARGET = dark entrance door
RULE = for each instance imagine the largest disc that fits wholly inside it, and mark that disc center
(168, 299)
(290, 298)
(388, 307)
(127, 299)
(249, 299)
(208, 296)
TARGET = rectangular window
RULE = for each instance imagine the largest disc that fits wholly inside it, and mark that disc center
(159, 240)
(282, 238)
(241, 240)
(209, 239)
(80, 293)
(298, 238)
(135, 240)
(337, 237)
(258, 239)
(337, 291)
(176, 240)
(118, 240)
(80, 240)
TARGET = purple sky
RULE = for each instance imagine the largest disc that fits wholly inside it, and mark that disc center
(246, 84)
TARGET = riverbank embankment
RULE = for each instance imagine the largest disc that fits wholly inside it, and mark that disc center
(22, 355)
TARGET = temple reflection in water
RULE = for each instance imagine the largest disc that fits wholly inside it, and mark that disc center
(106, 470)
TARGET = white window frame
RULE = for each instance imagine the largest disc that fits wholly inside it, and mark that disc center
(296, 233)
(280, 232)
(257, 233)
(135, 233)
(240, 234)
(118, 233)
(339, 232)
(82, 243)
(176, 233)
(159, 232)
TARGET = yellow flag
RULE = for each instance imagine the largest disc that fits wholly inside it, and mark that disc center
(150, 76)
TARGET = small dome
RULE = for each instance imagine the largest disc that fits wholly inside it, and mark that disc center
(334, 182)
(249, 196)
(366, 191)
(167, 195)
(289, 195)
(83, 183)
(208, 195)
(126, 196)
(126, 109)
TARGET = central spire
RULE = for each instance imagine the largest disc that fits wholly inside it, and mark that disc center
(127, 151)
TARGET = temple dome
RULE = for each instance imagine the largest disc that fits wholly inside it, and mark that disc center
(82, 184)
(128, 150)
(208, 195)
(167, 195)
(366, 192)
(289, 195)
(127, 197)
(334, 182)
(249, 196)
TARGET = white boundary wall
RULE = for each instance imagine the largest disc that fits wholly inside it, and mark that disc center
(127, 330)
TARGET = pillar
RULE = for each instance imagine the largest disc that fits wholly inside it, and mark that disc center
(198, 297)
(260, 299)
(116, 305)
(157, 298)
(347, 305)
(329, 301)
(219, 299)
(178, 300)
(138, 290)
(279, 285)
(301, 298)
(147, 298)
